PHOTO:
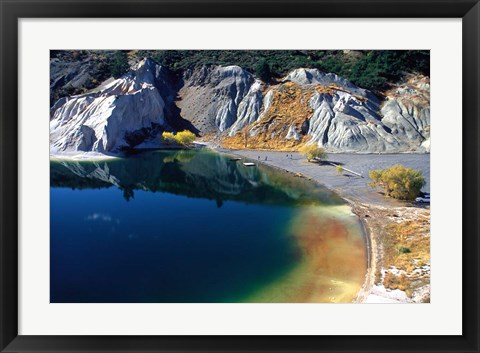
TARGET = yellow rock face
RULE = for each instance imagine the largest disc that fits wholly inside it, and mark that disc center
(289, 107)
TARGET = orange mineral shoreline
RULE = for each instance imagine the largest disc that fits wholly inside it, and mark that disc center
(392, 276)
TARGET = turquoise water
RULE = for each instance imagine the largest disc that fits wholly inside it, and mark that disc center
(188, 227)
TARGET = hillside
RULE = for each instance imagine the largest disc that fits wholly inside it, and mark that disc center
(236, 106)
(370, 69)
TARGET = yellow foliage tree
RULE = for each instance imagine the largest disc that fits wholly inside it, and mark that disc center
(398, 181)
(339, 169)
(183, 138)
(168, 136)
(313, 151)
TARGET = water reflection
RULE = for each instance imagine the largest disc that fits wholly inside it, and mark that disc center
(195, 174)
(196, 226)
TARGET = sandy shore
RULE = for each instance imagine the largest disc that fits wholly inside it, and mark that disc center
(376, 211)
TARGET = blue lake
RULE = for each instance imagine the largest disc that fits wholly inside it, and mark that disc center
(197, 227)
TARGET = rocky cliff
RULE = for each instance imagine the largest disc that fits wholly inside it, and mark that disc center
(122, 113)
(231, 105)
(309, 106)
(214, 98)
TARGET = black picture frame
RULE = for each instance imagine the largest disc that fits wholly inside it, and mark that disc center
(11, 11)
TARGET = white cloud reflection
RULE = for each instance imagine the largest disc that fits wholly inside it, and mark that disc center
(101, 217)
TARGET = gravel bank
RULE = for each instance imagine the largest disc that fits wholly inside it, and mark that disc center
(347, 185)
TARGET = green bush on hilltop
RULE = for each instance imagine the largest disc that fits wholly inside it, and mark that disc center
(119, 64)
(262, 70)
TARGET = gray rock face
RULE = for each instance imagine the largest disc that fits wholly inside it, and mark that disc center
(346, 118)
(304, 76)
(292, 133)
(406, 112)
(326, 109)
(211, 97)
(121, 113)
(74, 74)
(249, 108)
(74, 77)
(343, 122)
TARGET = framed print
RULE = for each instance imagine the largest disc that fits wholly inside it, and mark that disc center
(239, 176)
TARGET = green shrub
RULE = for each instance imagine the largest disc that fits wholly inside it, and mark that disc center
(404, 250)
(398, 181)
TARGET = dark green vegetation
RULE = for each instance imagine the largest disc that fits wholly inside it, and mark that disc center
(371, 69)
(120, 64)
(262, 70)
(398, 181)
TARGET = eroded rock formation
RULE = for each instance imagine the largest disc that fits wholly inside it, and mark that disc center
(310, 106)
(227, 102)
(119, 114)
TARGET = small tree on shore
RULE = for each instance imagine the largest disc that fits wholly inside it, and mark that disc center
(184, 138)
(398, 181)
(168, 136)
(313, 152)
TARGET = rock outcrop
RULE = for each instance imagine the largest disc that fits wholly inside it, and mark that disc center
(316, 77)
(406, 112)
(76, 75)
(306, 106)
(212, 97)
(310, 106)
(249, 108)
(121, 113)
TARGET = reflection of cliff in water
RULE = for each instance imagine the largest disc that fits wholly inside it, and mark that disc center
(200, 174)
